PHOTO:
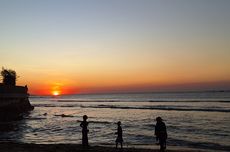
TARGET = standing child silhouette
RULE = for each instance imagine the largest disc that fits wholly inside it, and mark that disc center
(84, 125)
(119, 135)
(161, 133)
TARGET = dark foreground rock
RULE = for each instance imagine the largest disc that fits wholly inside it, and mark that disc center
(15, 111)
(14, 102)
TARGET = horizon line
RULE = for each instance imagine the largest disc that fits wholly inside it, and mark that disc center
(140, 92)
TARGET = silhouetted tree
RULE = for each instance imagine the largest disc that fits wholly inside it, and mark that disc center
(9, 76)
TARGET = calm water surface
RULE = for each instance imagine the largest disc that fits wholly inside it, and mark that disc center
(194, 120)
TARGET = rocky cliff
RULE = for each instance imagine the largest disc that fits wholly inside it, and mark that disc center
(14, 102)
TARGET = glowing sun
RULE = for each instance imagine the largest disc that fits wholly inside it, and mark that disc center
(56, 93)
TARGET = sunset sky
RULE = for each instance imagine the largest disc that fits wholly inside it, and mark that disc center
(95, 46)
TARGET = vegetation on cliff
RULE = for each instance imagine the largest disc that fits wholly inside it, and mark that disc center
(8, 76)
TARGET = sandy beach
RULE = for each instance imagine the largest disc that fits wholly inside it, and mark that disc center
(22, 147)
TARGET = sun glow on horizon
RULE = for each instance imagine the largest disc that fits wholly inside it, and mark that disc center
(56, 93)
(56, 89)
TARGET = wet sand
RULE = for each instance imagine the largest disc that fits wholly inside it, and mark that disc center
(21, 147)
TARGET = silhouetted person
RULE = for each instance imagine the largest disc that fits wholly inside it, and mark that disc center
(161, 133)
(119, 135)
(84, 125)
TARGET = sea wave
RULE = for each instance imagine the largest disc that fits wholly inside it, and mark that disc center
(200, 145)
(99, 122)
(159, 108)
(168, 108)
(135, 100)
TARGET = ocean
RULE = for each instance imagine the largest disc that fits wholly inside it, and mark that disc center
(197, 120)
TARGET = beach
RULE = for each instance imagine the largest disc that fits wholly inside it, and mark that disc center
(22, 147)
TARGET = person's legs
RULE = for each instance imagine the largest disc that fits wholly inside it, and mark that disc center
(84, 139)
(162, 144)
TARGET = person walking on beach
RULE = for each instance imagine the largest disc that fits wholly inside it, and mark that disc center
(161, 133)
(119, 135)
(84, 126)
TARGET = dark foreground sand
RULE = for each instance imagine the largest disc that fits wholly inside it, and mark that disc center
(19, 147)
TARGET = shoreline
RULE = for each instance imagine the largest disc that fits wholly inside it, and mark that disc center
(28, 147)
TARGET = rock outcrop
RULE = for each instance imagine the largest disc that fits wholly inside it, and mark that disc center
(14, 102)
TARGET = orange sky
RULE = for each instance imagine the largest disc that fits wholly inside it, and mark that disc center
(116, 46)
